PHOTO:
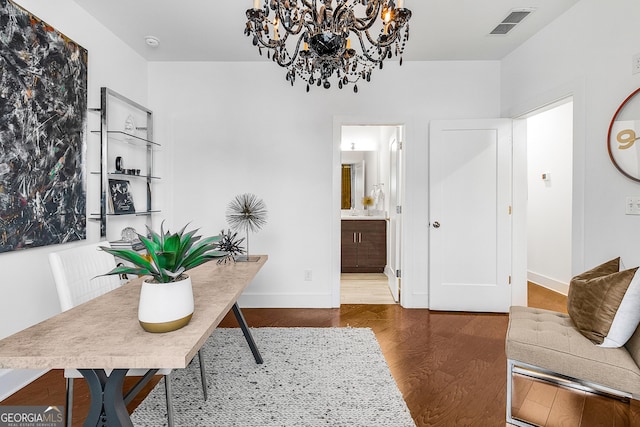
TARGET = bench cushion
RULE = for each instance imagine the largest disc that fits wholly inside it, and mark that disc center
(549, 340)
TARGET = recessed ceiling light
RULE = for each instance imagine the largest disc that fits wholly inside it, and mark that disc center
(152, 41)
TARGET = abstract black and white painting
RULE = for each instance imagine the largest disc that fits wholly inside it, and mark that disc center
(43, 105)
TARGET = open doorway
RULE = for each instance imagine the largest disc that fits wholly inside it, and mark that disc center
(550, 195)
(370, 214)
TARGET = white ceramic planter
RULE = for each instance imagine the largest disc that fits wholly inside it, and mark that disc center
(165, 307)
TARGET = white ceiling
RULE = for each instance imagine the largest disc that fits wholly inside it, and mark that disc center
(212, 30)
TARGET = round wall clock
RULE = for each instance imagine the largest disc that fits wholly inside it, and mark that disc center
(624, 137)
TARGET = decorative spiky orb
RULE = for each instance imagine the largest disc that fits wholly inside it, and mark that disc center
(247, 211)
(231, 244)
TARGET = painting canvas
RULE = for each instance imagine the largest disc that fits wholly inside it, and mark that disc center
(43, 105)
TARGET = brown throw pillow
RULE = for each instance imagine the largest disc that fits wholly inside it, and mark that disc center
(594, 298)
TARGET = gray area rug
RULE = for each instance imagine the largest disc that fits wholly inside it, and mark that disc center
(310, 377)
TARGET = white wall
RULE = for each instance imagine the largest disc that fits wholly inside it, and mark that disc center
(587, 53)
(230, 128)
(27, 291)
(549, 152)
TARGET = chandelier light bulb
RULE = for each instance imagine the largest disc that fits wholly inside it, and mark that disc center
(312, 38)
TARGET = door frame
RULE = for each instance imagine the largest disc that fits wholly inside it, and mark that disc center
(576, 90)
(407, 297)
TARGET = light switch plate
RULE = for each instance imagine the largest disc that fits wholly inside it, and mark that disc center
(632, 206)
(635, 64)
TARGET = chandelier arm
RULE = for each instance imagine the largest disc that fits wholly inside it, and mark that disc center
(268, 43)
(391, 38)
(367, 22)
(343, 17)
(293, 57)
(291, 30)
(308, 4)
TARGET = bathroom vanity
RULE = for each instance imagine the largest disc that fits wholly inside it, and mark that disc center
(364, 244)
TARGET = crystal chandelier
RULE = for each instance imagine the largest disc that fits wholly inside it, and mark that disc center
(314, 39)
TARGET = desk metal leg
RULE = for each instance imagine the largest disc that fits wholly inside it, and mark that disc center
(107, 402)
(247, 334)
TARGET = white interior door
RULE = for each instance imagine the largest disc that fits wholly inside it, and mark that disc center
(470, 209)
(395, 219)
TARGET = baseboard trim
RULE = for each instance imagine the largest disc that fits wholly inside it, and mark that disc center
(549, 283)
(251, 300)
(12, 380)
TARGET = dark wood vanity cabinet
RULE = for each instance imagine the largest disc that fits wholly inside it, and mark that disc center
(364, 246)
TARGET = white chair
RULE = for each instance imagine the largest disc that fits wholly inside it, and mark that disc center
(78, 276)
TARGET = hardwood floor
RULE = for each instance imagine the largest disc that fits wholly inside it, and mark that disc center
(541, 297)
(450, 367)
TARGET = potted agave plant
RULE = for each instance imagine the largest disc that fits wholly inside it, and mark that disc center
(166, 296)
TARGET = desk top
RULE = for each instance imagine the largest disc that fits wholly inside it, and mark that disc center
(105, 332)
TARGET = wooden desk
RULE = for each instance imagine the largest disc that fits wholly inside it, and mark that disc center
(104, 333)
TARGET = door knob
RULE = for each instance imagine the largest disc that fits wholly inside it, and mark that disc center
(436, 224)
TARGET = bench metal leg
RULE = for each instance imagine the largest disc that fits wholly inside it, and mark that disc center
(510, 419)
(247, 334)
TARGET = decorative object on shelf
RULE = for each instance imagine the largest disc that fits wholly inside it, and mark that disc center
(119, 164)
(378, 196)
(166, 299)
(231, 244)
(42, 132)
(129, 234)
(624, 133)
(136, 245)
(121, 198)
(367, 201)
(130, 125)
(247, 212)
(312, 39)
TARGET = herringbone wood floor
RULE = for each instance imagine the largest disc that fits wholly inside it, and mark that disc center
(450, 367)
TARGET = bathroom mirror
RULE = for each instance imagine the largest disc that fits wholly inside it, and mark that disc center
(353, 185)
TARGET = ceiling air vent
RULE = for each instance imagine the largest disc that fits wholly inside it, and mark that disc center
(514, 18)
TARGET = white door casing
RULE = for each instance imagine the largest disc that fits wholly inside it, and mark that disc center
(470, 215)
(395, 218)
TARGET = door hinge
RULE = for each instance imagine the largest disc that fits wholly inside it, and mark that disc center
(398, 209)
(398, 273)
(400, 144)
(509, 209)
(509, 279)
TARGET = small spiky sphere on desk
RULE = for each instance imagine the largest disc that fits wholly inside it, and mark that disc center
(231, 244)
(249, 212)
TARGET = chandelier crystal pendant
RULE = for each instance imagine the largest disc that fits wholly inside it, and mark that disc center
(314, 39)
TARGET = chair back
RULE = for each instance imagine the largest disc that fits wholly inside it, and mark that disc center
(77, 273)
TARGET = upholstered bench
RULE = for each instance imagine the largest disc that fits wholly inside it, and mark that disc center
(545, 344)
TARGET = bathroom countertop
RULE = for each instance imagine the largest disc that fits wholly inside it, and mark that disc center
(363, 217)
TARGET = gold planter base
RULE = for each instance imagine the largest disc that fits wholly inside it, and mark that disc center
(166, 326)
